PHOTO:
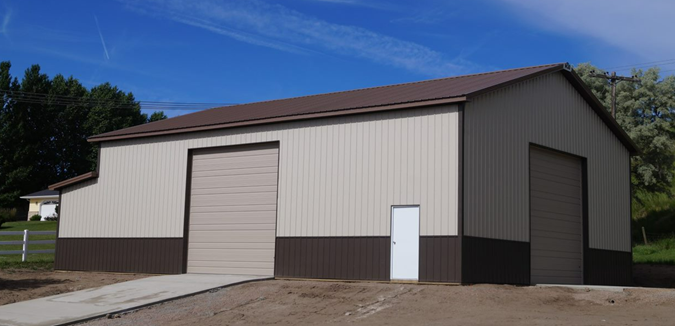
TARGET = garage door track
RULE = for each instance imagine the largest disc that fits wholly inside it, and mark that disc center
(87, 304)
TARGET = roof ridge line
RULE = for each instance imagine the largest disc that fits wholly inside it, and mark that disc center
(392, 85)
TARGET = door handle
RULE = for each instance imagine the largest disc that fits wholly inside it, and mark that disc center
(394, 242)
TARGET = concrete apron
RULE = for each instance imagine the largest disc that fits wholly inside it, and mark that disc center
(73, 307)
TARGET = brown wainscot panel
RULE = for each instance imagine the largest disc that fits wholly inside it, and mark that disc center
(439, 259)
(608, 267)
(127, 255)
(346, 258)
(495, 261)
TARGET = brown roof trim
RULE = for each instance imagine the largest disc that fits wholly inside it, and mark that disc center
(75, 180)
(283, 119)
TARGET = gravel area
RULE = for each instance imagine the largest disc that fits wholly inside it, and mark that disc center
(312, 302)
(19, 285)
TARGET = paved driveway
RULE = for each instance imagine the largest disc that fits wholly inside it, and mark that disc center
(91, 303)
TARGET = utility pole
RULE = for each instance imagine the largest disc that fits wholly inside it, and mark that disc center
(613, 80)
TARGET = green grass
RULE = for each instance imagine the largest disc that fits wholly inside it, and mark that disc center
(34, 261)
(658, 252)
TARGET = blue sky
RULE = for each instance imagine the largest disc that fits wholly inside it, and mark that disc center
(243, 51)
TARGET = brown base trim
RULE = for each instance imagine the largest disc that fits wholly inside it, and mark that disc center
(439, 259)
(608, 267)
(495, 261)
(128, 255)
(347, 258)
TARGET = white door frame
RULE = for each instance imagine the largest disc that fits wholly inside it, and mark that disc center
(415, 267)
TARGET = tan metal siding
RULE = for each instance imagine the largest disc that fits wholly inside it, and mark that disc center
(557, 217)
(547, 111)
(337, 176)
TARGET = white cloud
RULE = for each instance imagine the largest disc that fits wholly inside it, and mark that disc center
(281, 28)
(640, 27)
(5, 22)
(98, 28)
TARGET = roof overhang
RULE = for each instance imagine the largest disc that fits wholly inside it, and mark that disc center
(73, 181)
(458, 99)
(33, 197)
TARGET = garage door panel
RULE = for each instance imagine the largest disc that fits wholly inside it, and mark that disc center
(233, 182)
(539, 185)
(211, 154)
(554, 160)
(233, 204)
(547, 253)
(244, 162)
(230, 255)
(264, 198)
(562, 264)
(554, 225)
(235, 190)
(239, 226)
(229, 270)
(232, 236)
(218, 173)
(550, 177)
(557, 197)
(233, 208)
(556, 204)
(560, 172)
(234, 264)
(232, 245)
(232, 218)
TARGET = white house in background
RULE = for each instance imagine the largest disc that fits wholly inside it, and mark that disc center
(43, 202)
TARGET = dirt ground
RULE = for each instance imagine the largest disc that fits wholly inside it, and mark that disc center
(19, 285)
(311, 302)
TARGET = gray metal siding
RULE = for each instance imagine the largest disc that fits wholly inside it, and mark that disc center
(556, 199)
(337, 176)
(547, 110)
(233, 205)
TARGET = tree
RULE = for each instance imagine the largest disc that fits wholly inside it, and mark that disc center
(44, 125)
(645, 110)
(156, 116)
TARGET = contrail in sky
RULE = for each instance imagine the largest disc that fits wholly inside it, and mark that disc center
(101, 35)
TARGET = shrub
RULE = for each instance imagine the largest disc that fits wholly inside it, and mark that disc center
(7, 215)
(51, 218)
(35, 217)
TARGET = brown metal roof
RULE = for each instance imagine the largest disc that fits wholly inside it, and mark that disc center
(422, 93)
(74, 180)
(435, 89)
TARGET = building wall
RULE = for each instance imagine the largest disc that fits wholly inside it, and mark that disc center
(34, 205)
(498, 129)
(337, 177)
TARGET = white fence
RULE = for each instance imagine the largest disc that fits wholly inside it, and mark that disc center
(24, 252)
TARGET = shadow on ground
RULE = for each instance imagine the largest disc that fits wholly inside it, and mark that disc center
(28, 284)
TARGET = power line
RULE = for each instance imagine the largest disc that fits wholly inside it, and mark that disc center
(613, 80)
(41, 98)
(635, 65)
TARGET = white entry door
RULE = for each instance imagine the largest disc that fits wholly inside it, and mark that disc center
(405, 242)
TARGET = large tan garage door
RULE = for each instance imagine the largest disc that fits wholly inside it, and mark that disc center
(233, 203)
(556, 217)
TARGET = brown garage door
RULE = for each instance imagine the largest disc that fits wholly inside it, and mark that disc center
(233, 203)
(556, 207)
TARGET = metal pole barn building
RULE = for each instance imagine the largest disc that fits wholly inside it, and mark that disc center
(518, 176)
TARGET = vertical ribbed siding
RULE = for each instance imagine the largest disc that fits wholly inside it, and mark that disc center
(548, 111)
(337, 177)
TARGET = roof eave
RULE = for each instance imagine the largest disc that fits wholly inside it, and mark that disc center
(32, 197)
(458, 99)
(73, 181)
